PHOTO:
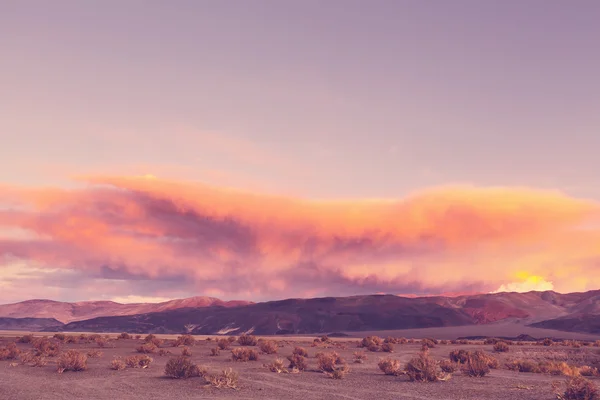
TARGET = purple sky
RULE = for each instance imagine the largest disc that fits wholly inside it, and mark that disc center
(309, 99)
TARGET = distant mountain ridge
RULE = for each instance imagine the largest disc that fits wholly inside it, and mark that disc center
(78, 311)
(575, 312)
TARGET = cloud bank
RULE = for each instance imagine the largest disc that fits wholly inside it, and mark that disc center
(116, 237)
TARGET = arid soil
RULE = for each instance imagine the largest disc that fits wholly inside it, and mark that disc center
(364, 381)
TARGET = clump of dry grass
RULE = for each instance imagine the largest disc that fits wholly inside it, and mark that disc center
(9, 352)
(268, 346)
(72, 361)
(183, 368)
(448, 366)
(558, 368)
(339, 372)
(277, 366)
(186, 352)
(94, 354)
(327, 362)
(523, 366)
(215, 351)
(477, 365)
(147, 348)
(423, 368)
(139, 361)
(228, 378)
(501, 347)
(223, 344)
(586, 370)
(577, 388)
(117, 364)
(390, 366)
(247, 340)
(244, 354)
(359, 357)
(298, 362)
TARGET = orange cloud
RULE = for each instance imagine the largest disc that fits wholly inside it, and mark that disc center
(250, 245)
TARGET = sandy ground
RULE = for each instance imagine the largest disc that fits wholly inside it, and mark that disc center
(365, 381)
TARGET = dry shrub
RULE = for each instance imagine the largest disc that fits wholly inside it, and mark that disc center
(247, 340)
(448, 366)
(117, 364)
(558, 368)
(523, 366)
(223, 344)
(153, 339)
(301, 351)
(102, 342)
(45, 347)
(578, 388)
(215, 352)
(72, 361)
(371, 342)
(547, 342)
(423, 368)
(186, 352)
(491, 341)
(94, 354)
(387, 347)
(228, 378)
(232, 339)
(60, 336)
(359, 357)
(443, 341)
(586, 370)
(147, 348)
(459, 356)
(374, 348)
(298, 362)
(391, 339)
(163, 352)
(390, 366)
(184, 340)
(277, 366)
(138, 337)
(327, 361)
(339, 372)
(25, 339)
(124, 335)
(244, 354)
(140, 361)
(38, 361)
(26, 357)
(477, 365)
(596, 343)
(9, 352)
(268, 346)
(209, 339)
(429, 343)
(183, 368)
(501, 347)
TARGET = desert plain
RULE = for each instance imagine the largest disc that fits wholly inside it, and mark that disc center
(19, 380)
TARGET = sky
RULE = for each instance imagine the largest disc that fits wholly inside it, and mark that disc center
(265, 150)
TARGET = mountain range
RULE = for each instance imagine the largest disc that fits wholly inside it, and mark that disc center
(574, 312)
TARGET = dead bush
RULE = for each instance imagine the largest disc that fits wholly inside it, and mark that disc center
(232, 339)
(301, 351)
(339, 372)
(523, 366)
(72, 361)
(586, 370)
(163, 352)
(147, 348)
(501, 347)
(185, 340)
(60, 336)
(223, 344)
(577, 388)
(244, 354)
(94, 354)
(429, 343)
(390, 339)
(117, 364)
(138, 337)
(423, 368)
(448, 366)
(297, 361)
(38, 361)
(387, 347)
(327, 361)
(558, 368)
(186, 352)
(9, 352)
(268, 346)
(390, 366)
(228, 378)
(547, 342)
(459, 356)
(46, 347)
(359, 357)
(153, 339)
(124, 335)
(277, 366)
(139, 361)
(183, 368)
(25, 339)
(215, 352)
(370, 342)
(477, 365)
(247, 340)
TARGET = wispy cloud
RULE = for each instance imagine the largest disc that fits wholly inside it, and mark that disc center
(199, 239)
